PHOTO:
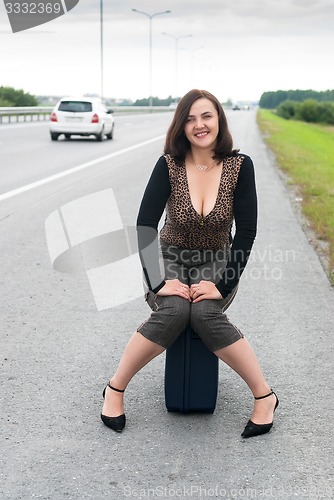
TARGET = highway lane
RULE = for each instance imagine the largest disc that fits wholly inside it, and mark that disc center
(27, 154)
(57, 348)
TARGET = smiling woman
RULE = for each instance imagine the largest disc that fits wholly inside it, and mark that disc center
(204, 185)
(204, 110)
(201, 130)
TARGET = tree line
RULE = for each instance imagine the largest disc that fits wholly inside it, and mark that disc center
(156, 101)
(10, 97)
(270, 100)
(306, 105)
(308, 111)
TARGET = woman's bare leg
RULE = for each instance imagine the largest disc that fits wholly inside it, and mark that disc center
(242, 359)
(138, 352)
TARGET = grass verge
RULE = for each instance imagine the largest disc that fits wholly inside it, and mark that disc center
(306, 153)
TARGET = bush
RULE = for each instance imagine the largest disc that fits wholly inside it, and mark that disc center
(287, 109)
(4, 103)
(310, 111)
(327, 113)
(17, 97)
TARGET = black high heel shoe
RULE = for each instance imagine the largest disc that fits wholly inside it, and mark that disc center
(115, 423)
(252, 429)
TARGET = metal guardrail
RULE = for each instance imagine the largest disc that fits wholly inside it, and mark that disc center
(23, 114)
(42, 113)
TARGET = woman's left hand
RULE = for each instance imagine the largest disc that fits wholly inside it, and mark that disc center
(204, 290)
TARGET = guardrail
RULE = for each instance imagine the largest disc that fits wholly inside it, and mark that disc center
(23, 114)
(42, 113)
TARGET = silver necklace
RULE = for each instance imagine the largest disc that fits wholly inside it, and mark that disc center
(202, 168)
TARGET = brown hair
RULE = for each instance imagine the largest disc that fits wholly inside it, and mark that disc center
(177, 144)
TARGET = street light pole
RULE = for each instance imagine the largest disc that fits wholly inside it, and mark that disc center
(176, 38)
(192, 61)
(150, 17)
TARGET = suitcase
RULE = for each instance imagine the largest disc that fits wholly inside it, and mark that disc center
(191, 375)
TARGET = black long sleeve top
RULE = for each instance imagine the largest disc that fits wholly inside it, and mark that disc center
(155, 198)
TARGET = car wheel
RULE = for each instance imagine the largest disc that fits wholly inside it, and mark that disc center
(99, 137)
(54, 136)
(111, 134)
(67, 136)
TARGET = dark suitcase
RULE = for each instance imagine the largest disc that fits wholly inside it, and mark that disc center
(191, 375)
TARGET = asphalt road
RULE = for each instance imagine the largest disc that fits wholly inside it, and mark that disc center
(57, 347)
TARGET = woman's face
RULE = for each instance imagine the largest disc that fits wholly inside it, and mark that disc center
(201, 128)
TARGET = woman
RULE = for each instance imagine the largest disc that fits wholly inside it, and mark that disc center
(204, 184)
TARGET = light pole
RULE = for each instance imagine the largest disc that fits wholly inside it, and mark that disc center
(150, 17)
(192, 51)
(176, 38)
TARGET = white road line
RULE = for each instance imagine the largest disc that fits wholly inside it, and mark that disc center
(73, 170)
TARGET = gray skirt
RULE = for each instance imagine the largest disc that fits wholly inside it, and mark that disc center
(172, 314)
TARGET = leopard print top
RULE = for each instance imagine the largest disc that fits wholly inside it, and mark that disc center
(184, 226)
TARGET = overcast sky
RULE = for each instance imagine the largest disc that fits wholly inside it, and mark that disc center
(238, 48)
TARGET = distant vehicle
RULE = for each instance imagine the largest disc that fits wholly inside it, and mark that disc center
(236, 107)
(83, 116)
(173, 105)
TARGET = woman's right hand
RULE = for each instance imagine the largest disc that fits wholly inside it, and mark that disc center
(175, 287)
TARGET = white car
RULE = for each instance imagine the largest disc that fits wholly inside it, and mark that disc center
(81, 116)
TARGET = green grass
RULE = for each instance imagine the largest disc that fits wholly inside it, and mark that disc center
(306, 153)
